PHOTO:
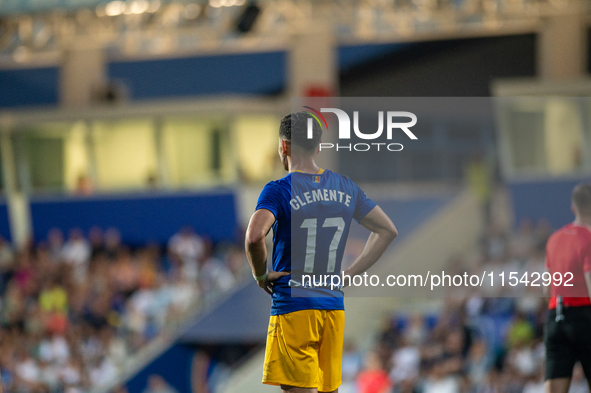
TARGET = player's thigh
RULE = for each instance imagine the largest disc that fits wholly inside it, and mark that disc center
(291, 356)
(561, 356)
(331, 341)
(330, 353)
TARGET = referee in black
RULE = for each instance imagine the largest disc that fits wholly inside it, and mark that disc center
(568, 327)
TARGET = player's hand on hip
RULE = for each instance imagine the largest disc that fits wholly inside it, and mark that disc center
(267, 284)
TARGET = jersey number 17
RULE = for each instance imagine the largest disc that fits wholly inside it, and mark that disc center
(311, 224)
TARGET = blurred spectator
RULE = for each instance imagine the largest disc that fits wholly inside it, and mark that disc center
(416, 332)
(478, 344)
(373, 378)
(112, 243)
(55, 239)
(440, 380)
(97, 241)
(520, 332)
(6, 262)
(187, 248)
(405, 362)
(157, 384)
(84, 185)
(214, 275)
(73, 313)
(76, 252)
(351, 367)
(478, 362)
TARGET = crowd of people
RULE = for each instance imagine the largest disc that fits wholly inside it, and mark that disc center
(484, 342)
(74, 311)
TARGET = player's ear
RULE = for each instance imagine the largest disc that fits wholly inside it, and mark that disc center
(285, 147)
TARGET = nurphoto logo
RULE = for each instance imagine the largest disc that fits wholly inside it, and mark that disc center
(393, 122)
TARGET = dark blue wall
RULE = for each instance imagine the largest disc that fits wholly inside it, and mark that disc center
(174, 366)
(4, 222)
(256, 73)
(250, 73)
(543, 199)
(29, 87)
(140, 218)
(352, 55)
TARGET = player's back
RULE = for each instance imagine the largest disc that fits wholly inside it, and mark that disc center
(320, 210)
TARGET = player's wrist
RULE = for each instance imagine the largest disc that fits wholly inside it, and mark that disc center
(262, 277)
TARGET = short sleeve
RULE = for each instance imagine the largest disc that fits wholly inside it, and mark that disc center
(363, 204)
(270, 199)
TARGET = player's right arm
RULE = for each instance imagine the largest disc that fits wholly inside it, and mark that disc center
(382, 234)
(256, 250)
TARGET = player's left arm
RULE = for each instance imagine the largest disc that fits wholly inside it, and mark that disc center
(382, 234)
(256, 250)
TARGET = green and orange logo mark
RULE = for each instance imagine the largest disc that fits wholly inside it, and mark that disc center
(315, 115)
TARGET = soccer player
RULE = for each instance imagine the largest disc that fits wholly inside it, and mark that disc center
(568, 327)
(310, 211)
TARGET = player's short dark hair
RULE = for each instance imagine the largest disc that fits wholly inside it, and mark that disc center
(294, 128)
(581, 198)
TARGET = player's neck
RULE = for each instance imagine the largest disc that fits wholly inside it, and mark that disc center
(585, 220)
(303, 165)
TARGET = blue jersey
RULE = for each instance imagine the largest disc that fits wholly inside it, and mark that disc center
(313, 214)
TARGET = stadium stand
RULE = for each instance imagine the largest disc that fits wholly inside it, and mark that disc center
(473, 344)
(76, 310)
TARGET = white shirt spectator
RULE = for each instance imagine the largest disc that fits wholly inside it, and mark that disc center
(534, 387)
(187, 245)
(104, 373)
(70, 374)
(444, 385)
(523, 360)
(91, 348)
(406, 361)
(54, 350)
(215, 276)
(117, 351)
(77, 252)
(183, 293)
(27, 370)
(189, 248)
(48, 375)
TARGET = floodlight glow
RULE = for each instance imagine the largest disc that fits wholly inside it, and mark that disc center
(115, 8)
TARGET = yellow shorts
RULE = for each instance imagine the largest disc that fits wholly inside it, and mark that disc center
(305, 349)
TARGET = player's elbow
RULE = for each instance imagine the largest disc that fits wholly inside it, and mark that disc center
(392, 232)
(389, 231)
(253, 238)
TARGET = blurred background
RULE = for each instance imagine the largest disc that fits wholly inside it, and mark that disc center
(136, 135)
